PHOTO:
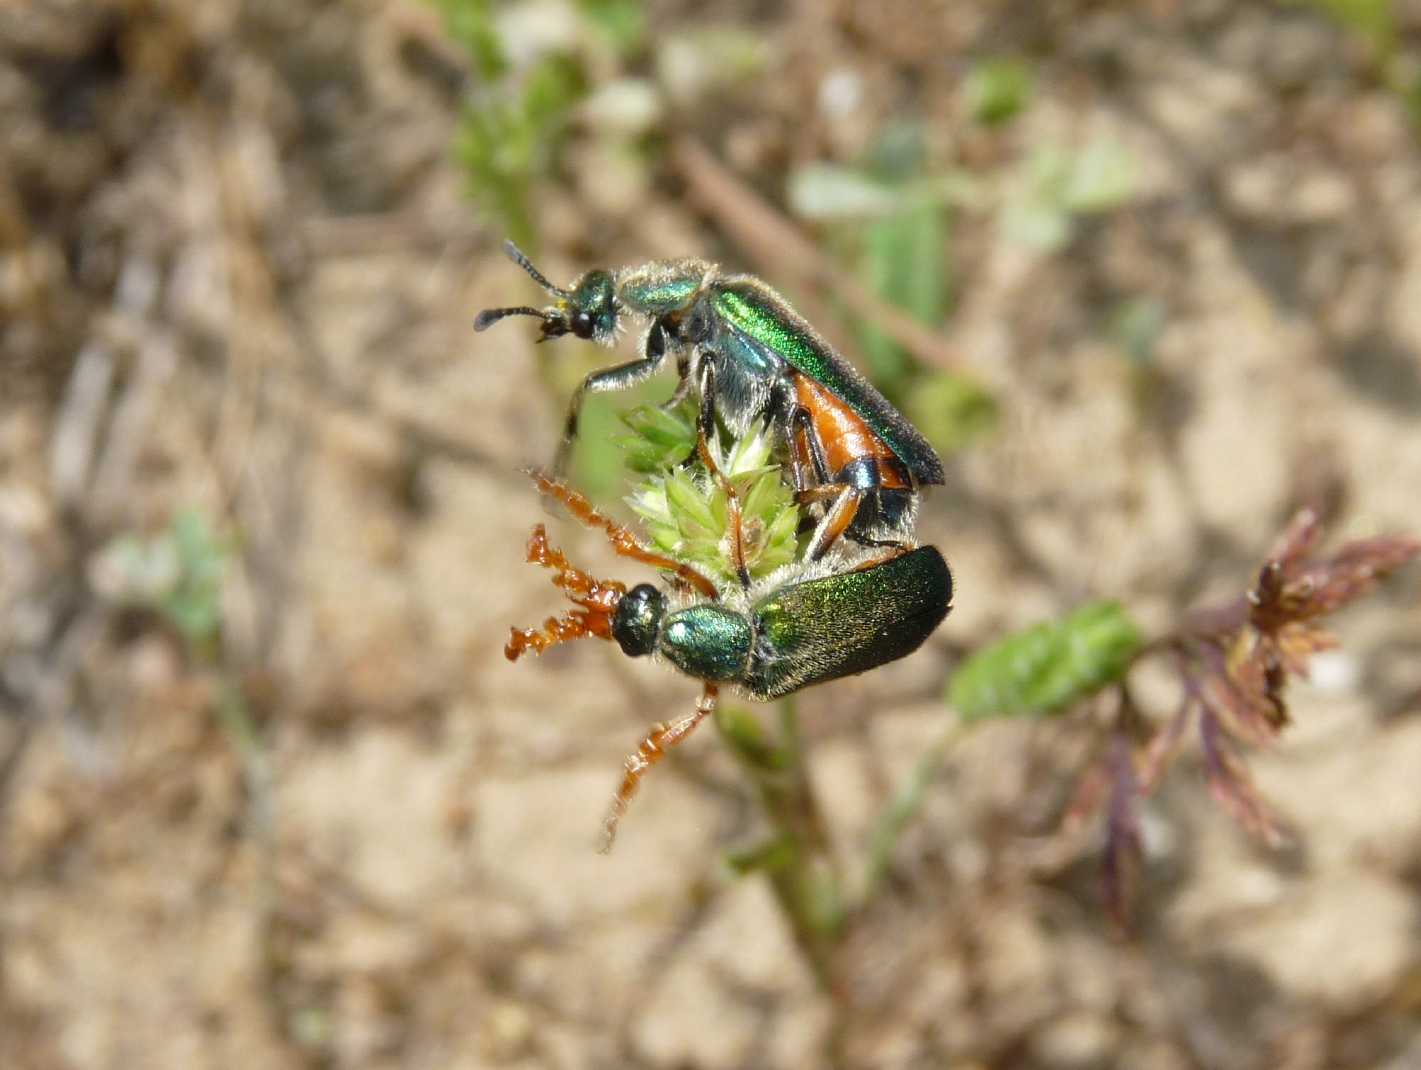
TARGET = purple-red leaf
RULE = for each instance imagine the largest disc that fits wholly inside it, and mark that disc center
(1232, 787)
(1124, 845)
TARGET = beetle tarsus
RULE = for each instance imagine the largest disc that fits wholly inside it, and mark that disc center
(649, 751)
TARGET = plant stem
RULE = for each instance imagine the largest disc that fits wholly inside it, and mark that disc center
(802, 873)
(903, 807)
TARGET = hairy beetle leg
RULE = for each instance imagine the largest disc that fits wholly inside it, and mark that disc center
(623, 541)
(705, 428)
(649, 751)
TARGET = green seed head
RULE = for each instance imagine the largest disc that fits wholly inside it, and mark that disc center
(685, 513)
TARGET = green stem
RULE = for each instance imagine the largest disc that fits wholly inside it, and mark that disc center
(800, 864)
(903, 807)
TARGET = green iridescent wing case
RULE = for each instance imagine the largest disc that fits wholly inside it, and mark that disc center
(761, 317)
(847, 623)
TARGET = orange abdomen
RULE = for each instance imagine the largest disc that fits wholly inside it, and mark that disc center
(844, 436)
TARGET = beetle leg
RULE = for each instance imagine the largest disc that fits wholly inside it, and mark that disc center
(864, 540)
(649, 751)
(802, 424)
(620, 377)
(836, 521)
(799, 459)
(683, 374)
(897, 549)
(620, 536)
(705, 428)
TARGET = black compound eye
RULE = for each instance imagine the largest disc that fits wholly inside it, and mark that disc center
(582, 324)
(637, 618)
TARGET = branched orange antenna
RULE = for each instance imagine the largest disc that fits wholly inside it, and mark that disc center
(623, 541)
(598, 599)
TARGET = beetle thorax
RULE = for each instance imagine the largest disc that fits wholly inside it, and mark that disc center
(707, 641)
(742, 394)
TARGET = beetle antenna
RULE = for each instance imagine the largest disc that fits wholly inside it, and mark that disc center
(516, 255)
(597, 599)
(489, 316)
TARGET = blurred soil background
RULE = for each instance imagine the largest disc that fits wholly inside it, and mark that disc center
(270, 795)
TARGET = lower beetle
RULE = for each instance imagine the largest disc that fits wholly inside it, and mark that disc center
(751, 357)
(800, 626)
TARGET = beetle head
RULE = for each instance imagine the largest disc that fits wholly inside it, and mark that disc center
(587, 310)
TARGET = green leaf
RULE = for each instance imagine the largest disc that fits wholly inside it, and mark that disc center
(1048, 667)
(1373, 19)
(194, 603)
(1054, 186)
(743, 731)
(951, 410)
(996, 90)
(774, 855)
(621, 22)
(1135, 325)
(699, 63)
(822, 191)
(511, 134)
(905, 260)
(470, 24)
(1102, 177)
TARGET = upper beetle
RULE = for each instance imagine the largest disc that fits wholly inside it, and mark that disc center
(749, 356)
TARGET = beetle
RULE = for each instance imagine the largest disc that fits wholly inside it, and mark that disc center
(802, 625)
(750, 356)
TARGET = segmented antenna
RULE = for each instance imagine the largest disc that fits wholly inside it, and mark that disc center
(489, 316)
(516, 255)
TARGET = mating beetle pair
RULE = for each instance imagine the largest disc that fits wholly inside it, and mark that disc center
(802, 625)
(750, 357)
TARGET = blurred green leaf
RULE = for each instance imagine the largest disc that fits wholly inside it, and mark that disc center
(1100, 178)
(194, 603)
(822, 191)
(823, 900)
(744, 732)
(901, 809)
(903, 254)
(772, 856)
(997, 90)
(694, 64)
(829, 193)
(177, 574)
(905, 261)
(470, 24)
(1053, 187)
(510, 136)
(621, 22)
(626, 108)
(951, 410)
(1038, 223)
(599, 456)
(1135, 325)
(1373, 19)
(1048, 667)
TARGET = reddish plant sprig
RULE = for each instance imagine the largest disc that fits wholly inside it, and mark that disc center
(1234, 662)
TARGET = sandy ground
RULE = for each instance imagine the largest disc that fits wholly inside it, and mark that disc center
(243, 283)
